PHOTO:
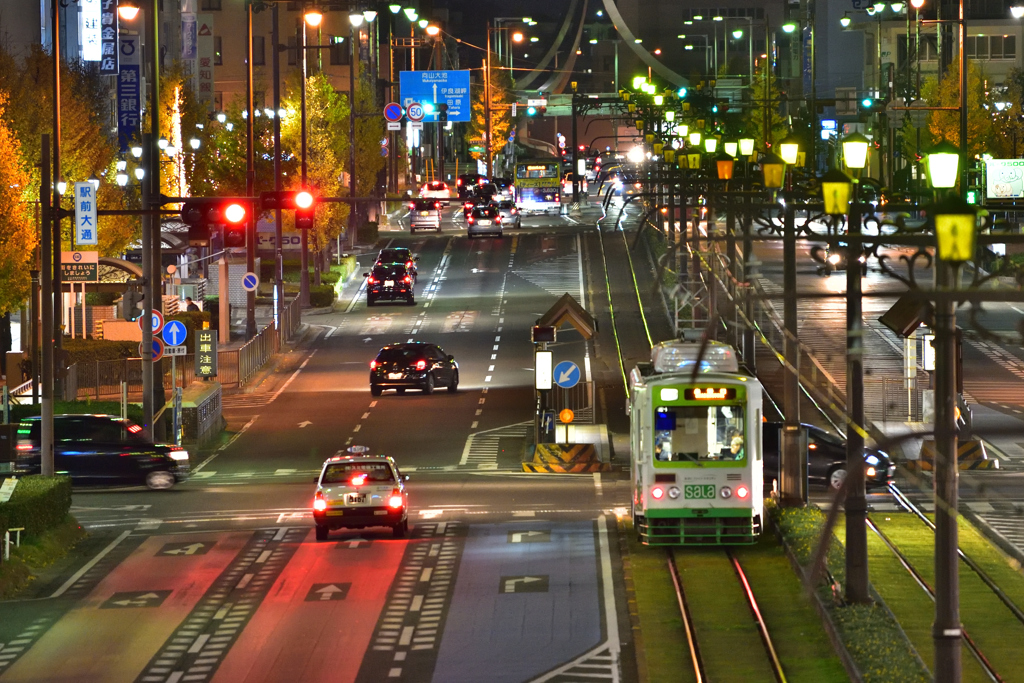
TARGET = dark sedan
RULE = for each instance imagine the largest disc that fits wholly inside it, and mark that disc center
(414, 365)
(826, 458)
(391, 282)
(102, 449)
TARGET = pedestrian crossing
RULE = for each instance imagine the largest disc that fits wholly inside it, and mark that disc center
(241, 401)
(1006, 387)
(482, 448)
(556, 275)
(1009, 525)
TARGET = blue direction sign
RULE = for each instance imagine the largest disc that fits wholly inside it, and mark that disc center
(566, 374)
(174, 333)
(437, 87)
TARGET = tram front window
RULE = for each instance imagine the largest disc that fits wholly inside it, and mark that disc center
(698, 434)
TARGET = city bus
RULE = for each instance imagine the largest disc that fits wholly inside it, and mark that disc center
(539, 185)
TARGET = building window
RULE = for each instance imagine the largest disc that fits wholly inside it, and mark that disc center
(209, 6)
(340, 51)
(218, 57)
(259, 57)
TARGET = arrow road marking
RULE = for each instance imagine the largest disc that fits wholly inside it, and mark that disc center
(303, 425)
(187, 550)
(326, 593)
(520, 535)
(510, 585)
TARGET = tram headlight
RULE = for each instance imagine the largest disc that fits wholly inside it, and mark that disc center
(658, 493)
(725, 492)
(673, 492)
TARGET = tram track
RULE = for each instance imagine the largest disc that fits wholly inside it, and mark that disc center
(702, 671)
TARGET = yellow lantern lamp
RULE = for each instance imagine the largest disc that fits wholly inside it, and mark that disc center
(955, 227)
(746, 147)
(943, 165)
(725, 165)
(836, 190)
(788, 150)
(710, 144)
(693, 160)
(695, 137)
(774, 171)
(855, 151)
(731, 148)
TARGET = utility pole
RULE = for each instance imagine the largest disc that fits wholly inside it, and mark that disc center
(153, 294)
(46, 313)
(250, 181)
(794, 457)
(487, 103)
(303, 234)
(57, 246)
(352, 210)
(575, 151)
(145, 321)
(275, 39)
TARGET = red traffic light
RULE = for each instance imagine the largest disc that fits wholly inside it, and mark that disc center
(303, 199)
(234, 213)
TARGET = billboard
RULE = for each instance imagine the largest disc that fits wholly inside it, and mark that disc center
(1004, 178)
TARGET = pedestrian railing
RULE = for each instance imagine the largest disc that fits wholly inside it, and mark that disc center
(579, 399)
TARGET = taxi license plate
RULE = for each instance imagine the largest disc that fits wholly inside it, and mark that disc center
(389, 283)
(356, 498)
(424, 213)
(485, 222)
(394, 375)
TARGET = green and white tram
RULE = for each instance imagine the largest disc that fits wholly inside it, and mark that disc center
(697, 465)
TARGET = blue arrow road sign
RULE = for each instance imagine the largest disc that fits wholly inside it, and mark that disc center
(566, 374)
(174, 333)
(437, 87)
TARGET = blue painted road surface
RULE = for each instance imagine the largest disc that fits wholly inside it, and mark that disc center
(523, 604)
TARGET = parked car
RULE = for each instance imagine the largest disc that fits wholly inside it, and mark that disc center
(826, 458)
(413, 365)
(509, 214)
(389, 283)
(425, 214)
(484, 220)
(102, 449)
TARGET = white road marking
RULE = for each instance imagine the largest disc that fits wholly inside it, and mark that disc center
(357, 428)
(365, 415)
(89, 565)
(494, 356)
(597, 483)
(490, 368)
(487, 378)
(473, 426)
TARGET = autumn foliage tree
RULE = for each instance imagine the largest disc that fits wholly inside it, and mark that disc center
(766, 107)
(17, 228)
(501, 113)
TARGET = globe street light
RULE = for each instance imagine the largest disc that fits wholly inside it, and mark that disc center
(943, 165)
(356, 19)
(710, 144)
(730, 149)
(789, 150)
(746, 146)
(855, 151)
(127, 10)
(313, 18)
(1017, 11)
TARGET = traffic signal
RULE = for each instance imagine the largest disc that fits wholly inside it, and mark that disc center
(286, 200)
(131, 304)
(531, 111)
(442, 112)
(305, 210)
(202, 214)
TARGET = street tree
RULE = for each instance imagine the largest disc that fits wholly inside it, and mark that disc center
(501, 114)
(764, 112)
(945, 125)
(17, 228)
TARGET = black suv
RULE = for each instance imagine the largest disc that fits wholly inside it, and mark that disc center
(415, 365)
(389, 282)
(102, 449)
(467, 182)
(400, 255)
(826, 458)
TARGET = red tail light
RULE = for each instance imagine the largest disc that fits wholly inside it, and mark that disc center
(395, 501)
(421, 365)
(134, 429)
(370, 280)
(319, 504)
(458, 182)
(23, 447)
(514, 211)
(658, 493)
(408, 279)
(408, 264)
(742, 491)
(373, 365)
(412, 206)
(470, 219)
(358, 479)
(437, 205)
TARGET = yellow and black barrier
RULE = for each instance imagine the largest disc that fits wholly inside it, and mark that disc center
(971, 455)
(566, 459)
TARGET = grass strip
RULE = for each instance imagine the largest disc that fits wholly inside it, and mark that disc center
(37, 553)
(664, 639)
(882, 652)
(802, 646)
(730, 644)
(1005, 571)
(991, 625)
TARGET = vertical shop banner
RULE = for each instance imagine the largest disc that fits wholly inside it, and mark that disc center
(85, 213)
(108, 38)
(129, 90)
(189, 49)
(204, 72)
(89, 20)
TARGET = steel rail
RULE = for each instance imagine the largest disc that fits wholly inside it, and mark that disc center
(972, 646)
(762, 627)
(684, 611)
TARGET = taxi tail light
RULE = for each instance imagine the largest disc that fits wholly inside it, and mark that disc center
(23, 447)
(408, 279)
(871, 471)
(373, 365)
(412, 206)
(408, 264)
(742, 491)
(134, 429)
(658, 493)
(437, 205)
(421, 365)
(358, 480)
(395, 501)
(319, 503)
(370, 280)
(458, 183)
(470, 219)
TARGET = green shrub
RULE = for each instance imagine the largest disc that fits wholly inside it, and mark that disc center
(367, 233)
(330, 277)
(88, 350)
(39, 503)
(20, 412)
(322, 296)
(101, 298)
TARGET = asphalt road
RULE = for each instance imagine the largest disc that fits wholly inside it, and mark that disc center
(506, 576)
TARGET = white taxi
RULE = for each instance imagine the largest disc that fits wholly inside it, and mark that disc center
(359, 491)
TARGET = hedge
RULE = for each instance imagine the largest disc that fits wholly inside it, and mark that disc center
(331, 277)
(39, 503)
(101, 298)
(321, 296)
(89, 350)
(21, 411)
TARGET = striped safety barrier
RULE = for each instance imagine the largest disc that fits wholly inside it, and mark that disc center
(566, 459)
(971, 455)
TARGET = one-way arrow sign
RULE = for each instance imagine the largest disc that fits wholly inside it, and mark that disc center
(325, 592)
(185, 548)
(523, 584)
(531, 536)
(135, 599)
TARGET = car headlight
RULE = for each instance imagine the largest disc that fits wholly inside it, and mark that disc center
(833, 259)
(870, 472)
(178, 455)
(871, 459)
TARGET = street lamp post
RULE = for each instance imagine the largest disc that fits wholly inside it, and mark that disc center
(355, 19)
(250, 181)
(855, 150)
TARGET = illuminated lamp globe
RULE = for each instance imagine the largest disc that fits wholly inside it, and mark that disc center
(710, 144)
(1017, 11)
(433, 30)
(127, 10)
(955, 225)
(836, 189)
(845, 22)
(774, 171)
(789, 148)
(725, 165)
(423, 23)
(356, 19)
(395, 9)
(746, 146)
(369, 15)
(635, 155)
(313, 18)
(121, 178)
(855, 151)
(918, 4)
(731, 148)
(695, 137)
(943, 165)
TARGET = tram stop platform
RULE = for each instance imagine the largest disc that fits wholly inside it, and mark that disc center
(590, 451)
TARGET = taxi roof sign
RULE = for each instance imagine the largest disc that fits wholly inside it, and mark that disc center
(357, 449)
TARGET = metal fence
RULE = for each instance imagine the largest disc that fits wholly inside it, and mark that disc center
(579, 399)
(235, 367)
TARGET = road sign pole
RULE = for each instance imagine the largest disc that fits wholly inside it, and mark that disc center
(147, 299)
